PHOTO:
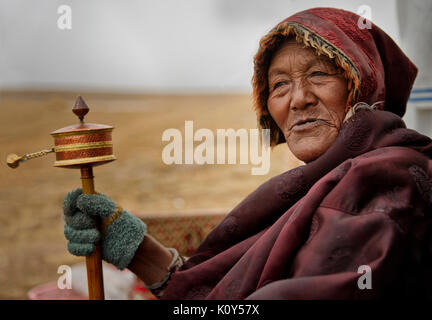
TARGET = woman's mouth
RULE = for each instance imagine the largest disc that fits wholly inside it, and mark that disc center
(307, 124)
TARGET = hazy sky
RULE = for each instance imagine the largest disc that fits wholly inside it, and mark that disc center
(136, 45)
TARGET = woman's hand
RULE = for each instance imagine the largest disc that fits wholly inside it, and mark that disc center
(121, 233)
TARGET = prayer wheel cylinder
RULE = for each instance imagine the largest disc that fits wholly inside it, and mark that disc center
(84, 143)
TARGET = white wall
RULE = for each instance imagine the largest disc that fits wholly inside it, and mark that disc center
(416, 41)
(136, 45)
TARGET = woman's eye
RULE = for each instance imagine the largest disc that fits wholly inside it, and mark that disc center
(319, 73)
(278, 84)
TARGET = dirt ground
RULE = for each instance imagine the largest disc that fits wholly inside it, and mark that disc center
(32, 245)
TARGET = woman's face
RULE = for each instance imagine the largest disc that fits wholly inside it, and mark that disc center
(307, 99)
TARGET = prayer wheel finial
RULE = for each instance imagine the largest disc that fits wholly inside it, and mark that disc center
(80, 108)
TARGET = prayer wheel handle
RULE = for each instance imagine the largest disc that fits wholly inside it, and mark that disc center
(93, 261)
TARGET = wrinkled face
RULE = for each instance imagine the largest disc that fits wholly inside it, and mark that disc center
(307, 99)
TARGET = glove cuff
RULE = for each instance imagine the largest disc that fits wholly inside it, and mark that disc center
(121, 238)
(106, 222)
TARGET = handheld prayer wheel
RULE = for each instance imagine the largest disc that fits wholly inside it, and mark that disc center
(81, 146)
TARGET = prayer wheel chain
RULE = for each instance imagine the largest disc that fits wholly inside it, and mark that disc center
(38, 154)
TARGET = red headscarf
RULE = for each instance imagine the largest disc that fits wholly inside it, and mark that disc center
(376, 67)
(365, 203)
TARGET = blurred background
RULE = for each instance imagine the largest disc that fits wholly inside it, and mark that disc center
(144, 67)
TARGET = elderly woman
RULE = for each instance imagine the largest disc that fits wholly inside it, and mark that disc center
(353, 222)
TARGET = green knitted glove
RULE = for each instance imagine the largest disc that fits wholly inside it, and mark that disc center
(121, 232)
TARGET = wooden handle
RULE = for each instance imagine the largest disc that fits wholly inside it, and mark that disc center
(94, 261)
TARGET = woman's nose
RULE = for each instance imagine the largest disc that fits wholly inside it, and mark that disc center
(302, 97)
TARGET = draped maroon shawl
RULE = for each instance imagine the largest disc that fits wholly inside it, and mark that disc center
(367, 201)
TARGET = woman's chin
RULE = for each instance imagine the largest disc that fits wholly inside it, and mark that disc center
(308, 149)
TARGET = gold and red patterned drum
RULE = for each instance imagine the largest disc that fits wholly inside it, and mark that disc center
(83, 143)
